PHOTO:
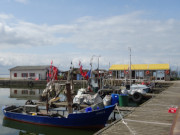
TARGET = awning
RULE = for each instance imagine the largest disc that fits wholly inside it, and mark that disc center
(141, 67)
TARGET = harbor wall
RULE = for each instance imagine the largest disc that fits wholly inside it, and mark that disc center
(34, 83)
(77, 83)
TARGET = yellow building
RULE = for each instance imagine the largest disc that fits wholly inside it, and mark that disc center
(142, 71)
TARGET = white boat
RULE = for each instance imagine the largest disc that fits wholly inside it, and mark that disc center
(137, 91)
(140, 86)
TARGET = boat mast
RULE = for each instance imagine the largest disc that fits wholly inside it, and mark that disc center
(130, 64)
(69, 88)
(99, 78)
(91, 66)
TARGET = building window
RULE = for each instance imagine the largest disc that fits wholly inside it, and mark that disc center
(160, 75)
(15, 91)
(122, 74)
(119, 74)
(15, 74)
(31, 74)
(32, 92)
(24, 74)
(114, 74)
(141, 74)
(24, 92)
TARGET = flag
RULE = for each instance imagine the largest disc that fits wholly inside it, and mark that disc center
(124, 71)
(88, 74)
(84, 73)
(55, 72)
(50, 73)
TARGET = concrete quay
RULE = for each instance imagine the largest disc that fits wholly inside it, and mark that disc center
(151, 118)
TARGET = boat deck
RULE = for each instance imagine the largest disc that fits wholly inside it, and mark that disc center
(64, 104)
(150, 118)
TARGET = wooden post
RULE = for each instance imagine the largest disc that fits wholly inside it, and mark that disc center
(47, 104)
(69, 98)
(114, 116)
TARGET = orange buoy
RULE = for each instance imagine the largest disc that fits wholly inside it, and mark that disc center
(167, 72)
(147, 72)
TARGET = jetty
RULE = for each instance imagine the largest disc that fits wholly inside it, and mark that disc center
(150, 118)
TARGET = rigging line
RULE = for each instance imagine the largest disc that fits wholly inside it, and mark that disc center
(125, 123)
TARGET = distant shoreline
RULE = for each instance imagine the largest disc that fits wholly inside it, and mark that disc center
(4, 76)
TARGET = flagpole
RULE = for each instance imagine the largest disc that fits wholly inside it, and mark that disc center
(99, 78)
(91, 65)
(72, 68)
(130, 64)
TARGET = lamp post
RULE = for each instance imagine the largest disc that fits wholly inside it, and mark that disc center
(91, 65)
(98, 62)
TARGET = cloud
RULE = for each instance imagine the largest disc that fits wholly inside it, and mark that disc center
(62, 61)
(151, 41)
(5, 16)
(22, 1)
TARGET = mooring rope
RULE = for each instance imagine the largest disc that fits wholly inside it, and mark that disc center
(125, 123)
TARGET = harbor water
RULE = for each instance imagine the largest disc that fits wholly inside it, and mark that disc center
(14, 96)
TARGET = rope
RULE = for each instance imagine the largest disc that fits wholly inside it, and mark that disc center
(125, 123)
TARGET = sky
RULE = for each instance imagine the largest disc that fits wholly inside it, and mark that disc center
(34, 32)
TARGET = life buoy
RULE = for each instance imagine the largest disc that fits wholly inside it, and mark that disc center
(167, 72)
(126, 72)
(147, 72)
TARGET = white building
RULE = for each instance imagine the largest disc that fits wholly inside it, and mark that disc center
(29, 72)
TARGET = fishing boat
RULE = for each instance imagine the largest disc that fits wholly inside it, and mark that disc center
(88, 118)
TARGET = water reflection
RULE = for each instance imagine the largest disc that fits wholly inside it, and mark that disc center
(32, 94)
(29, 94)
(30, 129)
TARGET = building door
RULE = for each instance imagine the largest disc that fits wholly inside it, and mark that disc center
(154, 75)
(39, 76)
(133, 74)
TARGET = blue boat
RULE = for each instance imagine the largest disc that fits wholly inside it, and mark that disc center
(87, 119)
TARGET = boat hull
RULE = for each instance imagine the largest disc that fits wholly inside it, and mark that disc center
(94, 119)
